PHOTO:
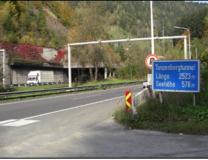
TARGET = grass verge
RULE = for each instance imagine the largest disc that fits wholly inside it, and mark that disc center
(108, 81)
(174, 117)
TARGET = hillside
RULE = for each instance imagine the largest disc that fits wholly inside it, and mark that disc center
(56, 23)
(34, 22)
(47, 23)
(132, 18)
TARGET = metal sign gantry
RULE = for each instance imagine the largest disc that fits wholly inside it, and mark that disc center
(119, 41)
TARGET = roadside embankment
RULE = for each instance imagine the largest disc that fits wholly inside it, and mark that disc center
(176, 115)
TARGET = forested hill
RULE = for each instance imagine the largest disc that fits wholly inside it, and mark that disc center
(35, 22)
(48, 23)
(133, 17)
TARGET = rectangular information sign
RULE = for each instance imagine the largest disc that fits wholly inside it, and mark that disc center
(176, 75)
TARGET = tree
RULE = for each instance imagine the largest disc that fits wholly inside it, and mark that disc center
(90, 25)
(194, 21)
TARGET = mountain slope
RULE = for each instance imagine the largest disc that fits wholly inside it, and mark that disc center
(32, 22)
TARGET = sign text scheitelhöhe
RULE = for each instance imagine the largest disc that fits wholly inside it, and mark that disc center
(176, 75)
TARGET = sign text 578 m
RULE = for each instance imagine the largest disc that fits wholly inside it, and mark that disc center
(176, 75)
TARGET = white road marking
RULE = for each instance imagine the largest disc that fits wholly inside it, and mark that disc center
(76, 107)
(19, 123)
(7, 121)
(26, 121)
(67, 95)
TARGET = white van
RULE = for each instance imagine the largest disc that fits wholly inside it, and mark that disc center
(36, 77)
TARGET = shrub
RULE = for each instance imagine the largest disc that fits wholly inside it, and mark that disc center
(175, 115)
(6, 89)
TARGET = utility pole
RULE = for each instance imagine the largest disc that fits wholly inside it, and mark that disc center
(185, 48)
(189, 35)
(196, 51)
(152, 44)
(152, 29)
(163, 33)
(189, 38)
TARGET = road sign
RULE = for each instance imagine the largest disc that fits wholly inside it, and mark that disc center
(149, 59)
(176, 75)
(128, 99)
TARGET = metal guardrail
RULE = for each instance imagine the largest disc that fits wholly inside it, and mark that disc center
(141, 97)
(39, 84)
(8, 95)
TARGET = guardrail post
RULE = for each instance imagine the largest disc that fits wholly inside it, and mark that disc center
(194, 99)
(134, 106)
(160, 97)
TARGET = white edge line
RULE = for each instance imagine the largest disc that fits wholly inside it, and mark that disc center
(20, 122)
(7, 121)
(51, 97)
(76, 107)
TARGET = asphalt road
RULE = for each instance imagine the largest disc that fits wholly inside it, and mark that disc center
(28, 108)
(82, 126)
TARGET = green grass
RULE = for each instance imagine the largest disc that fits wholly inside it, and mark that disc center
(175, 115)
(108, 81)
